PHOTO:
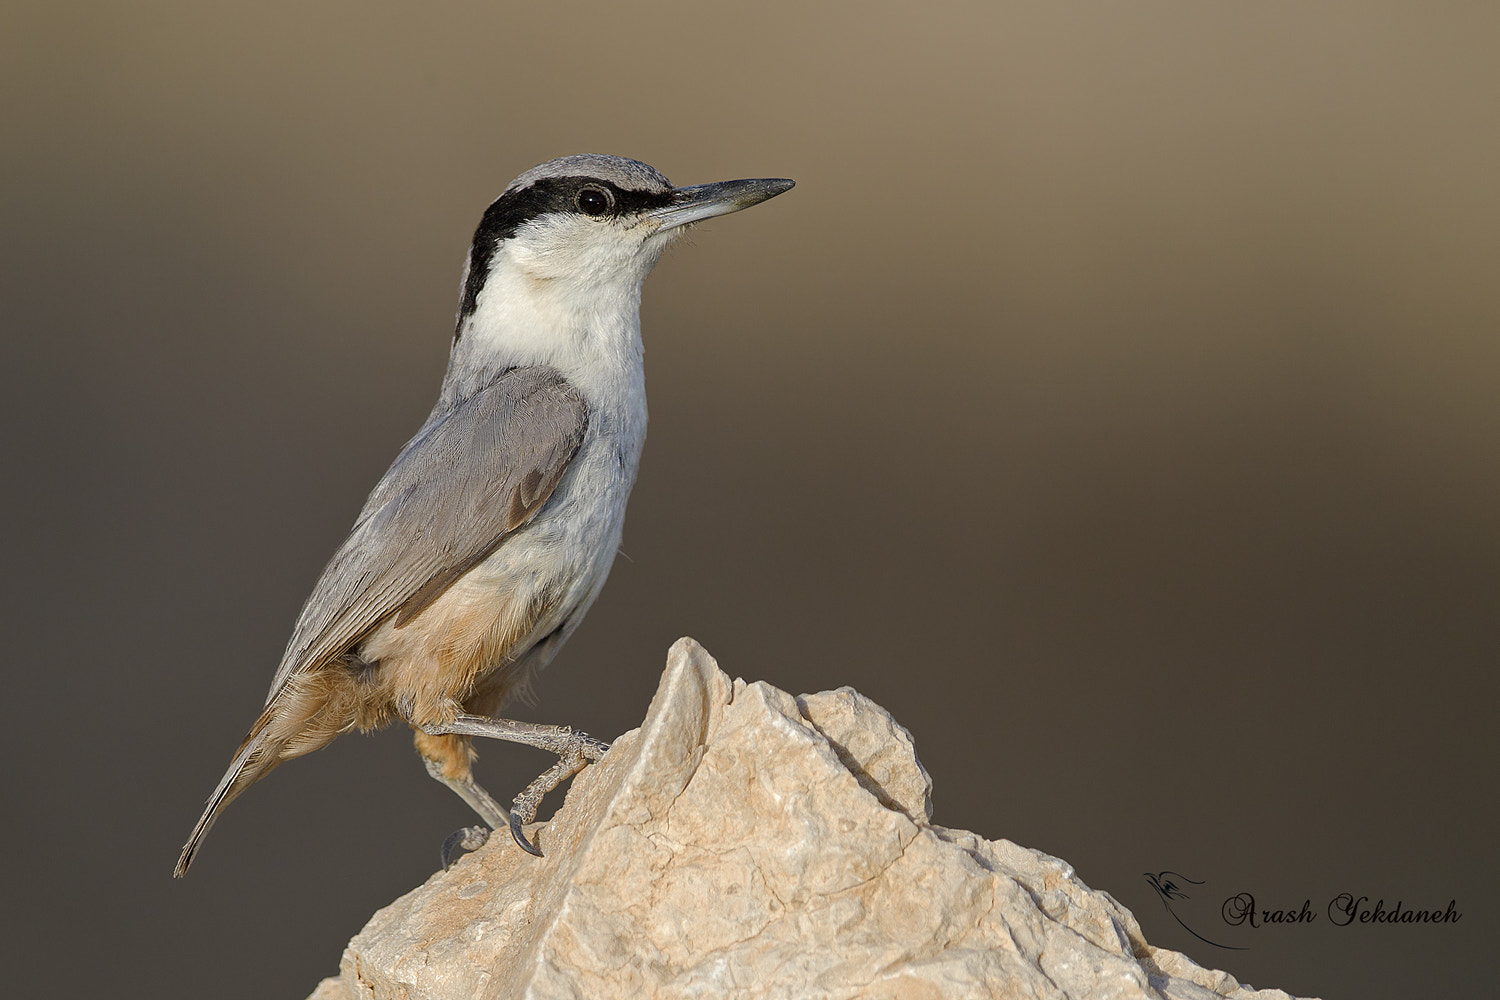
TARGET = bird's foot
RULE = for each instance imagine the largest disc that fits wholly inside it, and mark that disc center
(574, 752)
(470, 838)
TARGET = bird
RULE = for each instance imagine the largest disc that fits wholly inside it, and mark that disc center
(481, 548)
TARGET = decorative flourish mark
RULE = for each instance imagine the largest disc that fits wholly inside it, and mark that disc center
(1169, 886)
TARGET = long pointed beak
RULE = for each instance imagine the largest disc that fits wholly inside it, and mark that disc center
(704, 201)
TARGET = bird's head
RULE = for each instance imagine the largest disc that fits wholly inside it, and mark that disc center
(578, 235)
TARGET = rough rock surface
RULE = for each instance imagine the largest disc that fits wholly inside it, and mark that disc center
(747, 843)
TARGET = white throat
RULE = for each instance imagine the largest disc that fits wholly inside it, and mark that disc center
(570, 303)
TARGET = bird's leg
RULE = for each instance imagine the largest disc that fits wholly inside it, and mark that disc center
(470, 838)
(574, 751)
(467, 789)
(572, 759)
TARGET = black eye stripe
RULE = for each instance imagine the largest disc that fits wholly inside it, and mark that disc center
(512, 210)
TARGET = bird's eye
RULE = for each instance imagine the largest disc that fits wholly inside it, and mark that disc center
(592, 201)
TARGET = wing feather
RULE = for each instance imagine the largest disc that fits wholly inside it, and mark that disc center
(475, 473)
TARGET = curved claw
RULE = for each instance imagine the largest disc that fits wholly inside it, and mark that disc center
(520, 836)
(470, 838)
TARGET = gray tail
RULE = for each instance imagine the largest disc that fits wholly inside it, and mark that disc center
(247, 767)
(296, 720)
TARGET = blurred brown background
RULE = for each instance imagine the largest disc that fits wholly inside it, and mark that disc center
(1114, 400)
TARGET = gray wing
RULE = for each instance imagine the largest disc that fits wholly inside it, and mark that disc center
(473, 474)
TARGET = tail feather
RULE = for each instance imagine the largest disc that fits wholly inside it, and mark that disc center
(305, 714)
(221, 798)
(250, 764)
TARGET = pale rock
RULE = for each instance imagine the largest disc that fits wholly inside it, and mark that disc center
(747, 843)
